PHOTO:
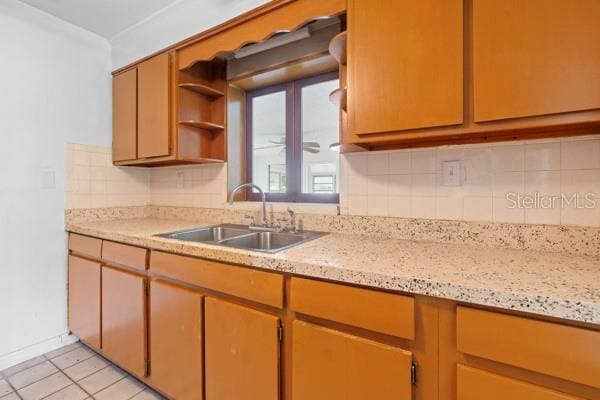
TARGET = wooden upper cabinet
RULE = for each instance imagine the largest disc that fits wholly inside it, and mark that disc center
(327, 364)
(124, 320)
(84, 300)
(125, 116)
(405, 64)
(176, 319)
(242, 352)
(153, 107)
(535, 57)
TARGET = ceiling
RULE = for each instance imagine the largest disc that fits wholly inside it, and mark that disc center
(103, 17)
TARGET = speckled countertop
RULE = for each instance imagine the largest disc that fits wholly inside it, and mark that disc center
(550, 284)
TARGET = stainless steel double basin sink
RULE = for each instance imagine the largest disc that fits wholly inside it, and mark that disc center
(243, 237)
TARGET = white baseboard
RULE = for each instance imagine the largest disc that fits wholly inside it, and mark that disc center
(29, 352)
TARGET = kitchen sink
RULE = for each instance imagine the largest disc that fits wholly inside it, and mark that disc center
(244, 237)
(266, 241)
(209, 233)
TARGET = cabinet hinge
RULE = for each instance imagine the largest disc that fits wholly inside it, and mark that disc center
(280, 333)
(413, 373)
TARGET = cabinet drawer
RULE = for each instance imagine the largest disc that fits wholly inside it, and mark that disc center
(376, 311)
(122, 254)
(557, 350)
(261, 287)
(85, 245)
(474, 384)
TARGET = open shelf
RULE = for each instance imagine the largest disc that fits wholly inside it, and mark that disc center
(202, 125)
(337, 47)
(338, 96)
(202, 89)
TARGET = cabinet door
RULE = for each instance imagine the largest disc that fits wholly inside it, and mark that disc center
(475, 384)
(84, 300)
(125, 116)
(153, 107)
(242, 353)
(176, 341)
(535, 57)
(328, 364)
(124, 319)
(405, 64)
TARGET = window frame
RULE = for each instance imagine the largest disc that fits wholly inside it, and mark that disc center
(293, 141)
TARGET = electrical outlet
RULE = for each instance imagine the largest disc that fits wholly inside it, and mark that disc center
(179, 179)
(452, 173)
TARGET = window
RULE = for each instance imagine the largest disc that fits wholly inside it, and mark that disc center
(290, 130)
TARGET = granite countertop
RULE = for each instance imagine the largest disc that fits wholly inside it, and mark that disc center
(549, 284)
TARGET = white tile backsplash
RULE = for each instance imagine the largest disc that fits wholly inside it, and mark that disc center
(415, 187)
(400, 183)
(93, 182)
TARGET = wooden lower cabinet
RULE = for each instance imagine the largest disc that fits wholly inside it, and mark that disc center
(176, 325)
(327, 364)
(241, 352)
(84, 300)
(124, 319)
(475, 384)
(213, 331)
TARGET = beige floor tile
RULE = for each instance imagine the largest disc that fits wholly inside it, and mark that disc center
(147, 395)
(73, 357)
(12, 396)
(63, 350)
(72, 392)
(4, 388)
(122, 390)
(101, 379)
(86, 368)
(23, 366)
(31, 375)
(45, 387)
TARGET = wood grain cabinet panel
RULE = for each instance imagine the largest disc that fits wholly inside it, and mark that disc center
(125, 115)
(124, 319)
(327, 364)
(475, 384)
(259, 286)
(560, 351)
(405, 65)
(85, 245)
(84, 300)
(242, 353)
(176, 319)
(535, 57)
(122, 254)
(368, 309)
(153, 107)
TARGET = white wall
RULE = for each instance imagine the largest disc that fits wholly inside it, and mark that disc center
(55, 87)
(180, 21)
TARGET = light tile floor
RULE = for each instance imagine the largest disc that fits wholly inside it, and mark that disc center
(73, 372)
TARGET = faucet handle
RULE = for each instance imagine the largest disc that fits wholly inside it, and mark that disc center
(252, 219)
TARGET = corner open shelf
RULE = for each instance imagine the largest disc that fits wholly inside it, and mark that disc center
(210, 126)
(338, 96)
(202, 89)
(337, 47)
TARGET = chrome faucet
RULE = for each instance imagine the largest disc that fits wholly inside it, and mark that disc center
(264, 220)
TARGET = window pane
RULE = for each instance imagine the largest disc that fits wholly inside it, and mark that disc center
(320, 129)
(268, 142)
